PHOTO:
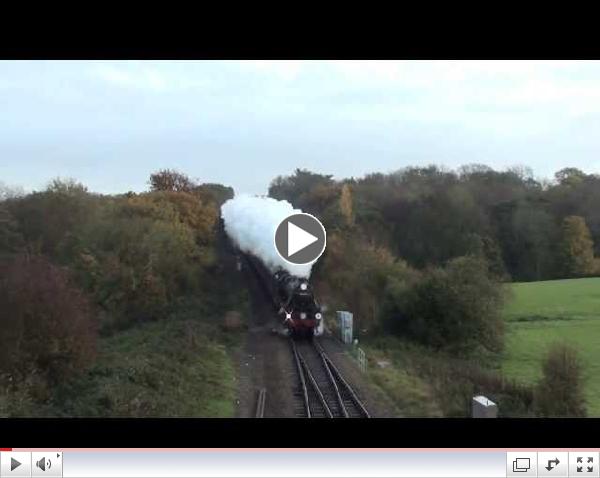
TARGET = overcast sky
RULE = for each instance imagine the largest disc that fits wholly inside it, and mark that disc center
(110, 124)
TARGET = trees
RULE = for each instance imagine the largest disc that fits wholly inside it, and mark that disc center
(296, 187)
(10, 192)
(534, 235)
(200, 216)
(11, 239)
(49, 220)
(577, 247)
(436, 223)
(569, 176)
(144, 251)
(67, 187)
(216, 193)
(171, 180)
(134, 254)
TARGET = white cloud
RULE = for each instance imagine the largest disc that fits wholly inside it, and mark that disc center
(145, 77)
(286, 70)
(289, 113)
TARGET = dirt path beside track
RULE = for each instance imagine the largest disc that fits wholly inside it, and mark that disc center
(265, 361)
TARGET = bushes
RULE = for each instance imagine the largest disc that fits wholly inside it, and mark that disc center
(455, 308)
(560, 392)
(47, 328)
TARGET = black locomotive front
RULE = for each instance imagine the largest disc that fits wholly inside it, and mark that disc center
(298, 305)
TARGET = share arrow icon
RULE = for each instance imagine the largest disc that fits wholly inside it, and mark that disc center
(550, 467)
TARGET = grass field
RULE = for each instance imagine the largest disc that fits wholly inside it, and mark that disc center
(541, 313)
(167, 368)
(182, 365)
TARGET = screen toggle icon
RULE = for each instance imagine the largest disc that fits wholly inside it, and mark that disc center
(584, 464)
(521, 465)
(589, 467)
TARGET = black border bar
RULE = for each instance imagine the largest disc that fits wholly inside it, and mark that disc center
(287, 433)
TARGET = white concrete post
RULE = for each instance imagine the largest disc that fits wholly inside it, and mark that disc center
(483, 407)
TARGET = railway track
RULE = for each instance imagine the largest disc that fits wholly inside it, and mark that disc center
(260, 403)
(322, 390)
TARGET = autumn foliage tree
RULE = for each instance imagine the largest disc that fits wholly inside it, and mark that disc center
(187, 208)
(346, 208)
(145, 251)
(577, 247)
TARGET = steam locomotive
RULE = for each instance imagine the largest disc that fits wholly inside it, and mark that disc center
(293, 299)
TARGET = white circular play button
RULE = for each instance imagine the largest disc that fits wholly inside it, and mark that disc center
(300, 239)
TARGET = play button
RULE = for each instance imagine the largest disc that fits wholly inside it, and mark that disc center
(16, 464)
(300, 239)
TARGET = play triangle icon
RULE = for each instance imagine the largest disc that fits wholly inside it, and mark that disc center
(298, 239)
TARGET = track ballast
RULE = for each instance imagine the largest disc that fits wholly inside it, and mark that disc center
(322, 392)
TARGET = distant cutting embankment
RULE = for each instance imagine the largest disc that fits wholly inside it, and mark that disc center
(542, 313)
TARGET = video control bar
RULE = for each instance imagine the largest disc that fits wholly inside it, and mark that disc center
(297, 463)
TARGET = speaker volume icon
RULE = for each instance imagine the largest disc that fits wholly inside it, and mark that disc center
(43, 464)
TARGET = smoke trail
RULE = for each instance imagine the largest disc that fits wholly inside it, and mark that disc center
(251, 223)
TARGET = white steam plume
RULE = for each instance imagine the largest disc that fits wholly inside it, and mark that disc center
(251, 223)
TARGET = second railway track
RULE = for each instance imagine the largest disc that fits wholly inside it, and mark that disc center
(323, 392)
